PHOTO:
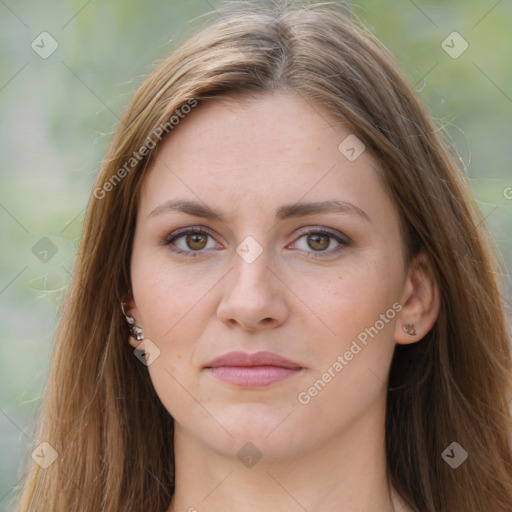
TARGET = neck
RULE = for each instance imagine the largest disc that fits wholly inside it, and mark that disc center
(346, 474)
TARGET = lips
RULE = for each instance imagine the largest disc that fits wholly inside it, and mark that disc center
(252, 370)
(257, 359)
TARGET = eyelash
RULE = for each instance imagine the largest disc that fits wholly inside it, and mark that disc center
(342, 240)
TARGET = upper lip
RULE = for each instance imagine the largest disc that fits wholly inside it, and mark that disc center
(256, 359)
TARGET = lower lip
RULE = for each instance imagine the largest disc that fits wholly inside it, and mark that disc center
(252, 375)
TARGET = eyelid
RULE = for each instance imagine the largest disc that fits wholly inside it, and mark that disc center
(326, 231)
(186, 230)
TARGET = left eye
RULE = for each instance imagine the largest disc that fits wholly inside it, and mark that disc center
(320, 240)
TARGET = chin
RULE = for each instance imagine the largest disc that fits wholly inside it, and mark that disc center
(268, 427)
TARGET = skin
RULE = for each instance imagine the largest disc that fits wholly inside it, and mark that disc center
(246, 158)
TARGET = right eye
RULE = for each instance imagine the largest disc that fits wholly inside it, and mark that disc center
(190, 242)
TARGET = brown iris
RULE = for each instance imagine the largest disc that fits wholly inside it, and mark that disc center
(318, 241)
(197, 241)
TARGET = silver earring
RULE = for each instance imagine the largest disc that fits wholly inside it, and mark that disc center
(409, 329)
(135, 331)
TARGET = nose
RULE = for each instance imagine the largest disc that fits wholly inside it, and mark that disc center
(254, 297)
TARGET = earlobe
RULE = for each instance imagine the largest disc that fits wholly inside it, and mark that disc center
(420, 302)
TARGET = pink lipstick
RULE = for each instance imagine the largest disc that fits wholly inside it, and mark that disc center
(252, 370)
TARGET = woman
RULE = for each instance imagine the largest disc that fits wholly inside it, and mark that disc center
(282, 299)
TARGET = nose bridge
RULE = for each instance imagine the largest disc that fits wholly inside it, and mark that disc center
(253, 252)
(250, 266)
(251, 295)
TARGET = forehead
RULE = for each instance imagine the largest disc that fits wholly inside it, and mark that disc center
(241, 152)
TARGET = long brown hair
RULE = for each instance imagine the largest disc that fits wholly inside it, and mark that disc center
(114, 438)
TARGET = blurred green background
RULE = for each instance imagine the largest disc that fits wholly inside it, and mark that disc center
(58, 114)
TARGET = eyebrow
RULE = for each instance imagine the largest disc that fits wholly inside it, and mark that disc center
(282, 213)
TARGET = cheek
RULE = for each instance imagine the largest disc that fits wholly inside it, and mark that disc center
(353, 364)
(171, 303)
(358, 308)
(353, 297)
(168, 295)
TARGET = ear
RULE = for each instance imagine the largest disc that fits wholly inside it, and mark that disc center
(130, 309)
(420, 301)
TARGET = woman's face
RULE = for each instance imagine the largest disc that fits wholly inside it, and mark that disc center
(261, 228)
